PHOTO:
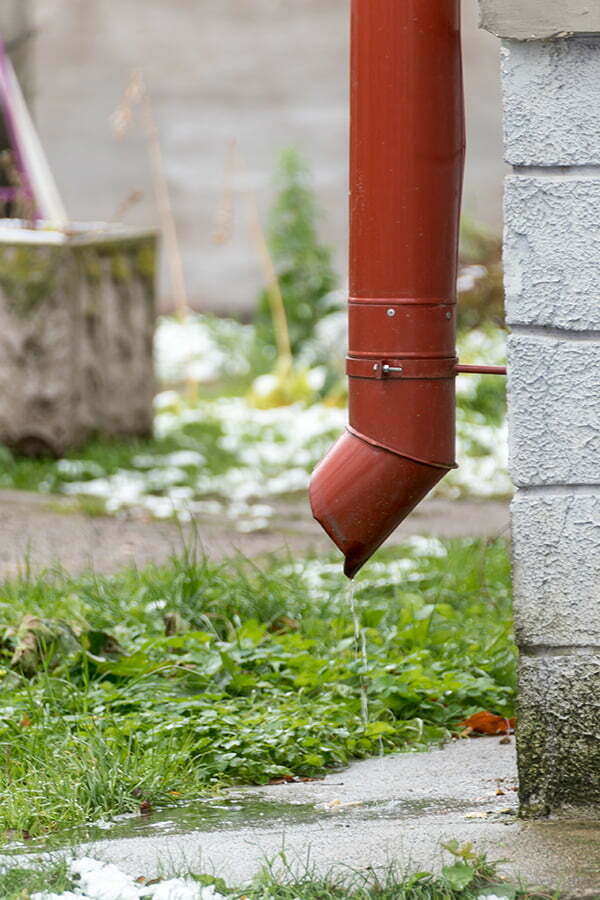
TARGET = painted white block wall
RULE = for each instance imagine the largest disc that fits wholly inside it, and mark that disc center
(552, 263)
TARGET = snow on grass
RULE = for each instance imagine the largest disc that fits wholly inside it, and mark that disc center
(201, 349)
(482, 443)
(105, 881)
(271, 452)
(318, 575)
(482, 454)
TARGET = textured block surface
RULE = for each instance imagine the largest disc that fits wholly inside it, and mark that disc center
(552, 102)
(558, 734)
(551, 279)
(76, 326)
(554, 411)
(535, 19)
(556, 561)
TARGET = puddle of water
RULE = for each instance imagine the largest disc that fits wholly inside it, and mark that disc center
(237, 813)
(222, 814)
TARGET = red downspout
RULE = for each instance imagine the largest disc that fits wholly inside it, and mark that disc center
(406, 169)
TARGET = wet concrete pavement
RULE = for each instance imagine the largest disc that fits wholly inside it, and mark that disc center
(397, 809)
(47, 530)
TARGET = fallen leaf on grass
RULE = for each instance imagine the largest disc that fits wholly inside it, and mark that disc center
(292, 779)
(487, 723)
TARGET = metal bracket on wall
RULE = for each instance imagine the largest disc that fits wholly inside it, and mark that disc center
(481, 370)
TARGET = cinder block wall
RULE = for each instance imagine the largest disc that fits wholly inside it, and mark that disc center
(552, 259)
(269, 73)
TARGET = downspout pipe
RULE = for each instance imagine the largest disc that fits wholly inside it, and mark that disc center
(406, 172)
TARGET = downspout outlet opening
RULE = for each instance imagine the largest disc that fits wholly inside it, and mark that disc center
(360, 493)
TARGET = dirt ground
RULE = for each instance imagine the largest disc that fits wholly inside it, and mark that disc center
(40, 531)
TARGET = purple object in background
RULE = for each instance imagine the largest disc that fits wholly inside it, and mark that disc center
(35, 181)
(10, 193)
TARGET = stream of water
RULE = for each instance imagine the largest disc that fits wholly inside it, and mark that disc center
(360, 646)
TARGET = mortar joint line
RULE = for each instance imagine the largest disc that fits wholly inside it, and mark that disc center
(572, 171)
(540, 651)
(558, 490)
(590, 335)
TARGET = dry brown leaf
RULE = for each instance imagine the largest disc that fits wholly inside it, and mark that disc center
(487, 723)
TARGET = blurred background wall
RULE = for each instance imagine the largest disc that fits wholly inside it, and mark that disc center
(267, 73)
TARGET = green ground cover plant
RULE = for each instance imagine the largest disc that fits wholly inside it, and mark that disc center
(160, 685)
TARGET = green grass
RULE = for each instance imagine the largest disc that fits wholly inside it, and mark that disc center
(466, 876)
(104, 458)
(20, 884)
(101, 709)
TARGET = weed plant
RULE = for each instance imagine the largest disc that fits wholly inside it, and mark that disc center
(304, 265)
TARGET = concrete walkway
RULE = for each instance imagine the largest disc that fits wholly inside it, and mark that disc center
(395, 809)
(46, 530)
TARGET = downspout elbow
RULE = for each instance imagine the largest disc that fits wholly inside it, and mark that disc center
(398, 446)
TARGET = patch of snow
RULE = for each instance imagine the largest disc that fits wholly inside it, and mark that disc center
(469, 276)
(275, 450)
(178, 458)
(104, 881)
(68, 895)
(482, 453)
(201, 348)
(318, 575)
(79, 468)
(483, 345)
(182, 889)
(426, 546)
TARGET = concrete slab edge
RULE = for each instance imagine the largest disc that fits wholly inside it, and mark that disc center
(530, 20)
